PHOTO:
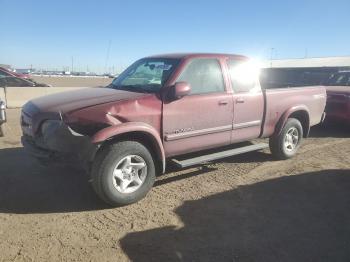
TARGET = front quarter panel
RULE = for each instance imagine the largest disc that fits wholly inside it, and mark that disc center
(146, 109)
(112, 119)
(132, 127)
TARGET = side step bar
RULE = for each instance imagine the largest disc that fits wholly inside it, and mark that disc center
(219, 155)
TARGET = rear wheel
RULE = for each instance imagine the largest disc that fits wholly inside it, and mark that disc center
(286, 144)
(123, 173)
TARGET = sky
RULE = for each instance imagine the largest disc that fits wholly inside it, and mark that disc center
(109, 35)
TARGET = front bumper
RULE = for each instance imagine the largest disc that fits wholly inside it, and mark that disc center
(59, 141)
(338, 108)
(338, 117)
(31, 148)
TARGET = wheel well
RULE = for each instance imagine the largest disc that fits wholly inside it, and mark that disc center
(303, 117)
(142, 137)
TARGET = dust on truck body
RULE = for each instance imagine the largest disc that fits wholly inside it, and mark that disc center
(162, 107)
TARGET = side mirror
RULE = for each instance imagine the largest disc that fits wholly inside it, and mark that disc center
(181, 89)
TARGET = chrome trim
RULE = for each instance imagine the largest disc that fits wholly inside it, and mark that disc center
(200, 132)
(247, 124)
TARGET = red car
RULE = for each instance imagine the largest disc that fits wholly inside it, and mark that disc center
(338, 97)
(163, 107)
(6, 72)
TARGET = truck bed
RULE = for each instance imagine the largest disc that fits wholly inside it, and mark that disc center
(277, 101)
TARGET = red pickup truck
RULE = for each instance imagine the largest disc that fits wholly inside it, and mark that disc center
(338, 97)
(162, 107)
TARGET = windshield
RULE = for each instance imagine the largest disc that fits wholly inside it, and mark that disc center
(339, 79)
(146, 75)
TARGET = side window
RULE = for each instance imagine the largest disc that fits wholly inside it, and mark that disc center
(12, 81)
(244, 76)
(204, 76)
(2, 73)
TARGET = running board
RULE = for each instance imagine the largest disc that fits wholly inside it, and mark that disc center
(219, 155)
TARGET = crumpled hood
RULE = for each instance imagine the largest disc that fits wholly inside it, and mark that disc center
(72, 100)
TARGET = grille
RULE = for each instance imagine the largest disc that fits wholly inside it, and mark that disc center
(26, 124)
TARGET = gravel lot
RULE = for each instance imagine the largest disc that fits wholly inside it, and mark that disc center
(245, 208)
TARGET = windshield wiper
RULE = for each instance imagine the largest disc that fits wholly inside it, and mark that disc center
(134, 88)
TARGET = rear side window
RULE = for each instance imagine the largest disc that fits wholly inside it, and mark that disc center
(244, 76)
(204, 76)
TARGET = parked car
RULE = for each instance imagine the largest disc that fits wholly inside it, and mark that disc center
(163, 107)
(338, 97)
(8, 73)
(11, 81)
(2, 116)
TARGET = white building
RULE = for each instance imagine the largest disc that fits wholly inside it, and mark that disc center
(340, 61)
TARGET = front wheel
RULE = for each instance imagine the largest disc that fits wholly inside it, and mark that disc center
(123, 173)
(286, 144)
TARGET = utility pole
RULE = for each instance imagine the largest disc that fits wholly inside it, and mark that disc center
(107, 55)
(271, 55)
(72, 64)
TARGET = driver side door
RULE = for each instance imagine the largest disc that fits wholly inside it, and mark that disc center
(202, 119)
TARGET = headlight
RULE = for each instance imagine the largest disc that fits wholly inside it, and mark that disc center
(50, 126)
(2, 112)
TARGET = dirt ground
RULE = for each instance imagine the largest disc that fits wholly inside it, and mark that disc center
(244, 208)
(66, 81)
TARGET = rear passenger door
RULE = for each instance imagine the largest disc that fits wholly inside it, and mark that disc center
(203, 119)
(248, 100)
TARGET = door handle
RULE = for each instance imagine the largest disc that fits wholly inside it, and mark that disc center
(223, 102)
(239, 100)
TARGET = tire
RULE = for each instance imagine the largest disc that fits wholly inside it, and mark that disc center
(283, 147)
(112, 169)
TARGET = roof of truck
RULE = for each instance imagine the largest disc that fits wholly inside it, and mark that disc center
(198, 55)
